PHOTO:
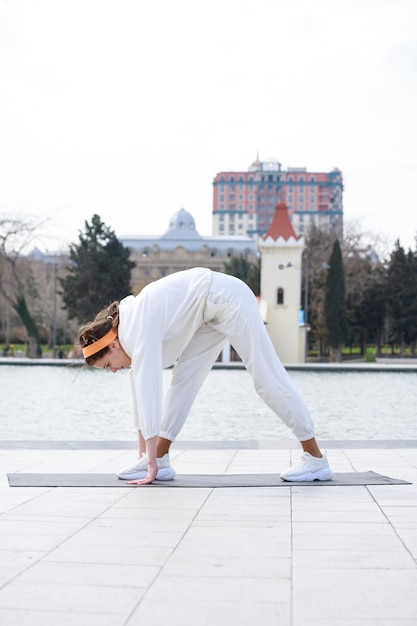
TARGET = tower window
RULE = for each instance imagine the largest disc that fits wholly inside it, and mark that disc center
(280, 295)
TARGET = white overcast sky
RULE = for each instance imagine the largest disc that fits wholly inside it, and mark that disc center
(129, 108)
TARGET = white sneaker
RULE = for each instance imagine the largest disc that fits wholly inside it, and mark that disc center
(310, 468)
(140, 469)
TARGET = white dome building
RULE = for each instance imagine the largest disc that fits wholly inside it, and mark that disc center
(182, 247)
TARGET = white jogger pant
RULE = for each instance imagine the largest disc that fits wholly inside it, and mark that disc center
(232, 313)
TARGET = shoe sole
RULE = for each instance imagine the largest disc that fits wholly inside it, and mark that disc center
(324, 474)
(165, 473)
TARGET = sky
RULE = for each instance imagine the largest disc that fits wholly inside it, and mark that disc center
(129, 109)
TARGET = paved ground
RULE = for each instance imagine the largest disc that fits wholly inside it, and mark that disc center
(286, 556)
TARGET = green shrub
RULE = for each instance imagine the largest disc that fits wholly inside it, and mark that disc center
(370, 355)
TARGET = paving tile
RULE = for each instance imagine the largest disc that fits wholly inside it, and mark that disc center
(409, 538)
(343, 621)
(69, 507)
(138, 537)
(249, 507)
(18, 559)
(402, 514)
(147, 514)
(244, 510)
(333, 505)
(31, 617)
(191, 498)
(252, 492)
(344, 529)
(134, 523)
(228, 566)
(127, 555)
(354, 493)
(401, 495)
(355, 594)
(207, 613)
(175, 589)
(362, 558)
(327, 516)
(70, 597)
(236, 541)
(90, 574)
(234, 521)
(11, 500)
(16, 524)
(324, 541)
(31, 542)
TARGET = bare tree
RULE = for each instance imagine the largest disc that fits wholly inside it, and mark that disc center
(16, 277)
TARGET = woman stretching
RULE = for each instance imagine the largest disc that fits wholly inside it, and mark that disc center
(184, 320)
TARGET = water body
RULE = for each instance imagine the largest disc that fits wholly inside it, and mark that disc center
(70, 403)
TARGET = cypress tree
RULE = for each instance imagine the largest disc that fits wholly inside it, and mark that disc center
(334, 304)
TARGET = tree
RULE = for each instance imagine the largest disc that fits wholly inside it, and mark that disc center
(334, 304)
(247, 271)
(375, 308)
(402, 296)
(364, 280)
(318, 249)
(99, 271)
(363, 277)
(17, 283)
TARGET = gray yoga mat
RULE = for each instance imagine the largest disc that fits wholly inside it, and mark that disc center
(198, 480)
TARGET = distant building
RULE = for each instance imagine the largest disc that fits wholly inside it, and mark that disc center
(244, 202)
(182, 247)
(47, 258)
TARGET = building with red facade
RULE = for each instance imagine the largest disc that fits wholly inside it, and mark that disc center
(244, 202)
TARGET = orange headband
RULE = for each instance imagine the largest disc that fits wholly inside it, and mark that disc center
(98, 345)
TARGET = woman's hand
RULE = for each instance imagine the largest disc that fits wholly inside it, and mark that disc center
(152, 465)
(149, 478)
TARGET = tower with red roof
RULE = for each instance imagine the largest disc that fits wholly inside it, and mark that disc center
(281, 269)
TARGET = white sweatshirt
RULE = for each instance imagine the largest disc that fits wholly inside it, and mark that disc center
(154, 328)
